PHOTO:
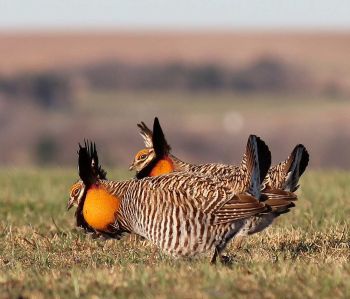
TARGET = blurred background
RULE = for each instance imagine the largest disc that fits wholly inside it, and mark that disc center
(212, 71)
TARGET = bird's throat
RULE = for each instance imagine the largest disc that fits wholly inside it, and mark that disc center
(163, 166)
(100, 208)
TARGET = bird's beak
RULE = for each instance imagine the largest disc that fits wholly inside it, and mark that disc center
(70, 204)
(131, 167)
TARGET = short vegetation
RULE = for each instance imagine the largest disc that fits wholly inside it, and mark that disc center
(305, 254)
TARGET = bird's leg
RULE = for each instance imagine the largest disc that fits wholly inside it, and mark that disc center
(215, 255)
(225, 260)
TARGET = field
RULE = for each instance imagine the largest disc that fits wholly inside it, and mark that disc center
(305, 254)
(200, 127)
(324, 54)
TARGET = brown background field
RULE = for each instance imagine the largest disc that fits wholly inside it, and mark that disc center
(324, 53)
(207, 125)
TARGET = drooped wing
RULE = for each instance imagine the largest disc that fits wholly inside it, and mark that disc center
(195, 192)
(240, 207)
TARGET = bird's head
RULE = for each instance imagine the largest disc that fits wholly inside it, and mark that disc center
(76, 194)
(142, 159)
(157, 149)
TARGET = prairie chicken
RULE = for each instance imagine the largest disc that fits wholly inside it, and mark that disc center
(278, 185)
(182, 213)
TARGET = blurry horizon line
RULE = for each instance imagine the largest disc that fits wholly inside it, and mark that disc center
(175, 29)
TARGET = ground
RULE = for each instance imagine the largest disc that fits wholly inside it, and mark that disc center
(305, 254)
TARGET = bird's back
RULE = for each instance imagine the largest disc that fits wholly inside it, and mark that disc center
(185, 214)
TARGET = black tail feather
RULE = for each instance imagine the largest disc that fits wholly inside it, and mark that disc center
(296, 165)
(305, 157)
(264, 157)
(257, 161)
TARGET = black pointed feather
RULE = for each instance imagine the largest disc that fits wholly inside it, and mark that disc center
(295, 166)
(84, 164)
(160, 145)
(304, 159)
(264, 157)
(89, 168)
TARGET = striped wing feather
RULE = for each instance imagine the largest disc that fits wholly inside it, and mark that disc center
(279, 194)
(196, 192)
(240, 207)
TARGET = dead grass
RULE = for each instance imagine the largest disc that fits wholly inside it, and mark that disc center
(305, 255)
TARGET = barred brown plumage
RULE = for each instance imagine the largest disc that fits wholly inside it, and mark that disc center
(152, 163)
(278, 177)
(182, 213)
(278, 185)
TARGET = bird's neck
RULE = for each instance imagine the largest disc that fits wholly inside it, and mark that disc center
(100, 207)
(163, 166)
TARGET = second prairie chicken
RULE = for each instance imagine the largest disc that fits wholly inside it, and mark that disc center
(182, 213)
(157, 159)
(278, 185)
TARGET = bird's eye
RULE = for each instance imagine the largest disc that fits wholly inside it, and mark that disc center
(142, 157)
(75, 192)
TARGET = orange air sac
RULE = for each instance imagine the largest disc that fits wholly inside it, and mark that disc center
(163, 166)
(100, 208)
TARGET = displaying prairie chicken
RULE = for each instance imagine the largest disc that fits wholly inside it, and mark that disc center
(278, 185)
(182, 213)
(156, 159)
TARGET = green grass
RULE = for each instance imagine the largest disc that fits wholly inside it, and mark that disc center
(305, 254)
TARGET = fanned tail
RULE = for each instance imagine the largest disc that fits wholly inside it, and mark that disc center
(277, 190)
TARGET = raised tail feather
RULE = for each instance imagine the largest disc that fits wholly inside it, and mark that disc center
(286, 175)
(256, 163)
(297, 168)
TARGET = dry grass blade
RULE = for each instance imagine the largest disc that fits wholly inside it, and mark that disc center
(305, 254)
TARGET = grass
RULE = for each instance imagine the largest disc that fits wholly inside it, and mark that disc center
(305, 254)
